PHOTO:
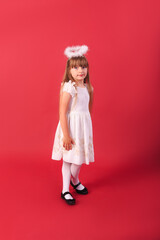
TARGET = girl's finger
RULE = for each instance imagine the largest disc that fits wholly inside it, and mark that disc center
(66, 146)
(69, 146)
(73, 142)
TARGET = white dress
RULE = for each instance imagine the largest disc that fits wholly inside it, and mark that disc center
(80, 128)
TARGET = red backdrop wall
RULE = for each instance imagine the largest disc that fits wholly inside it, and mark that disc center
(123, 37)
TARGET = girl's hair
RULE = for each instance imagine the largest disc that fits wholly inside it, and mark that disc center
(74, 62)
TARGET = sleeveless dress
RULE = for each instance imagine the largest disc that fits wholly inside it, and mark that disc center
(80, 128)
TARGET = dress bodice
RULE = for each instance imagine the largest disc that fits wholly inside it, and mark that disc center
(80, 97)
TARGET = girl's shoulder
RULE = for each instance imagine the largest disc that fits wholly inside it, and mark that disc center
(69, 87)
(69, 83)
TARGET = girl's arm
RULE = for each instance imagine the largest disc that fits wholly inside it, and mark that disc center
(63, 108)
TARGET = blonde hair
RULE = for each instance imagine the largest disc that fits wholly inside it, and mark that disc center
(74, 62)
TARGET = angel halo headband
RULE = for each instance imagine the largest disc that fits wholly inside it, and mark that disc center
(75, 51)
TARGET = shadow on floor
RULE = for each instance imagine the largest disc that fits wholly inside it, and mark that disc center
(132, 171)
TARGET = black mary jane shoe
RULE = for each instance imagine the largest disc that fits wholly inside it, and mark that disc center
(83, 191)
(68, 201)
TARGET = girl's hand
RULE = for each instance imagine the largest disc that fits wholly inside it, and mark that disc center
(67, 143)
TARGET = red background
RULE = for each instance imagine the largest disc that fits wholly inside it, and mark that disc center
(123, 38)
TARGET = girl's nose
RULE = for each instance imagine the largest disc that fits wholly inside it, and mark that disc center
(80, 68)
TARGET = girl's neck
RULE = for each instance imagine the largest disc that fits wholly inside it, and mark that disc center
(80, 83)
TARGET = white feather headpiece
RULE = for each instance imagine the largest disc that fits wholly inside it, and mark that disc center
(75, 51)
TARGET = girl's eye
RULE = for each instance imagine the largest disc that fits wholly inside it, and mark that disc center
(77, 67)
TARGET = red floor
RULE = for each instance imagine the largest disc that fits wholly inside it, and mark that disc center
(121, 204)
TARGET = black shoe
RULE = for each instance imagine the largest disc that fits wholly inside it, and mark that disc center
(83, 191)
(69, 201)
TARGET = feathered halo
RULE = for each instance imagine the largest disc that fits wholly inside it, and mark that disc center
(75, 51)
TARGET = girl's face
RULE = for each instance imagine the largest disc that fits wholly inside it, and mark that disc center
(78, 73)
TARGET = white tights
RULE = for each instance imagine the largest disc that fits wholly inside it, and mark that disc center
(70, 170)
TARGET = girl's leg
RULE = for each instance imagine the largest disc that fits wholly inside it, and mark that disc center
(66, 174)
(75, 169)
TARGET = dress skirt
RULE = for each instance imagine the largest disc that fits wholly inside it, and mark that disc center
(80, 127)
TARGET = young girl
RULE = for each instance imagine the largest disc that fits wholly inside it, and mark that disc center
(73, 138)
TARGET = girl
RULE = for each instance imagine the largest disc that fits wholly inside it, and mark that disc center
(73, 138)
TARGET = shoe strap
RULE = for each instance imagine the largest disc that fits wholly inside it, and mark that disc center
(75, 186)
(66, 194)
